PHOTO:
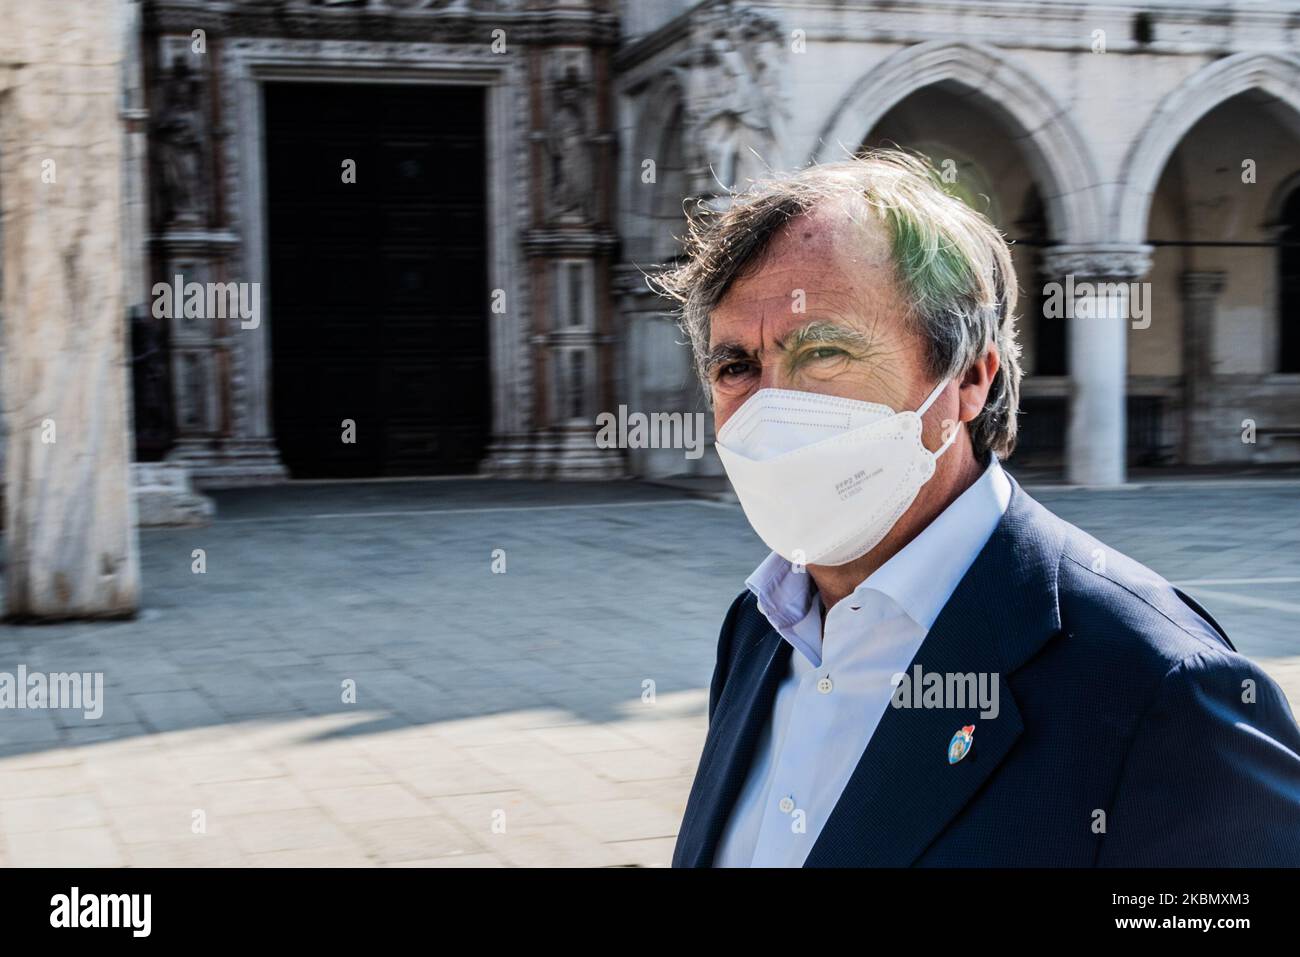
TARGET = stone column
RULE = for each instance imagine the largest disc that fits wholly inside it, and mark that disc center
(1094, 287)
(1201, 291)
(569, 249)
(219, 369)
(69, 517)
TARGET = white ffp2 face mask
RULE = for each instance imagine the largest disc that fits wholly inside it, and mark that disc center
(823, 479)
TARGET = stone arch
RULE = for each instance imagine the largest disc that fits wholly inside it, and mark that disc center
(1058, 155)
(1273, 78)
(659, 131)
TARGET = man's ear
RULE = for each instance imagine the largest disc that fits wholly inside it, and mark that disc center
(976, 383)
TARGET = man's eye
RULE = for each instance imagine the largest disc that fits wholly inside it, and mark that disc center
(733, 369)
(825, 352)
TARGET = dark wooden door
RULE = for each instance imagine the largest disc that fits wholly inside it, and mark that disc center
(378, 289)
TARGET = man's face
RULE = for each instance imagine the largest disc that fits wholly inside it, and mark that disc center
(822, 313)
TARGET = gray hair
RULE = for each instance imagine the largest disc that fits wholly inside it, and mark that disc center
(954, 266)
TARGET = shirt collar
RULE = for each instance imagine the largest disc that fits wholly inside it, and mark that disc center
(919, 578)
(790, 603)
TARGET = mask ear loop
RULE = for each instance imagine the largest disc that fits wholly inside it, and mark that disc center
(921, 411)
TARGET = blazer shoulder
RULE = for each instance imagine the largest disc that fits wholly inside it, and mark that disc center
(1102, 589)
(1211, 777)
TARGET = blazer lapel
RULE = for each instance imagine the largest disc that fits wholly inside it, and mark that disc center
(903, 791)
(744, 705)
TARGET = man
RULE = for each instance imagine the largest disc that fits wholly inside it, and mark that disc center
(930, 668)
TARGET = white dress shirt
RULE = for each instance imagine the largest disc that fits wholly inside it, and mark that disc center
(839, 684)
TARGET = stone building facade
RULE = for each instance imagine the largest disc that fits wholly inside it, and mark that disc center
(527, 87)
(1152, 144)
(475, 295)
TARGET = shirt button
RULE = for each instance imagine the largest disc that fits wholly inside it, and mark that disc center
(786, 805)
(824, 685)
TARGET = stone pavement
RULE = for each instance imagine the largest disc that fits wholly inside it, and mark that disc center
(550, 715)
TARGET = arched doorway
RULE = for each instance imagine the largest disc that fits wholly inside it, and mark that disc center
(1225, 277)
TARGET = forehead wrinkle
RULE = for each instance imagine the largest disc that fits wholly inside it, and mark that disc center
(841, 300)
(830, 258)
(824, 325)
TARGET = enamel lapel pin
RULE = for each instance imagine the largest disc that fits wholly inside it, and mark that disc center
(960, 744)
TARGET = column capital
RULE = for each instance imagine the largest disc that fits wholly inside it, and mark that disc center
(1203, 283)
(1115, 261)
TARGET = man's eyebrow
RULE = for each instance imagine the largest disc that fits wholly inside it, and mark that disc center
(726, 352)
(823, 331)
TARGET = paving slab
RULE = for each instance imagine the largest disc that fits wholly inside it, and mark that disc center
(351, 684)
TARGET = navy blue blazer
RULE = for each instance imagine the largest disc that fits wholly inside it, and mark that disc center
(1118, 694)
